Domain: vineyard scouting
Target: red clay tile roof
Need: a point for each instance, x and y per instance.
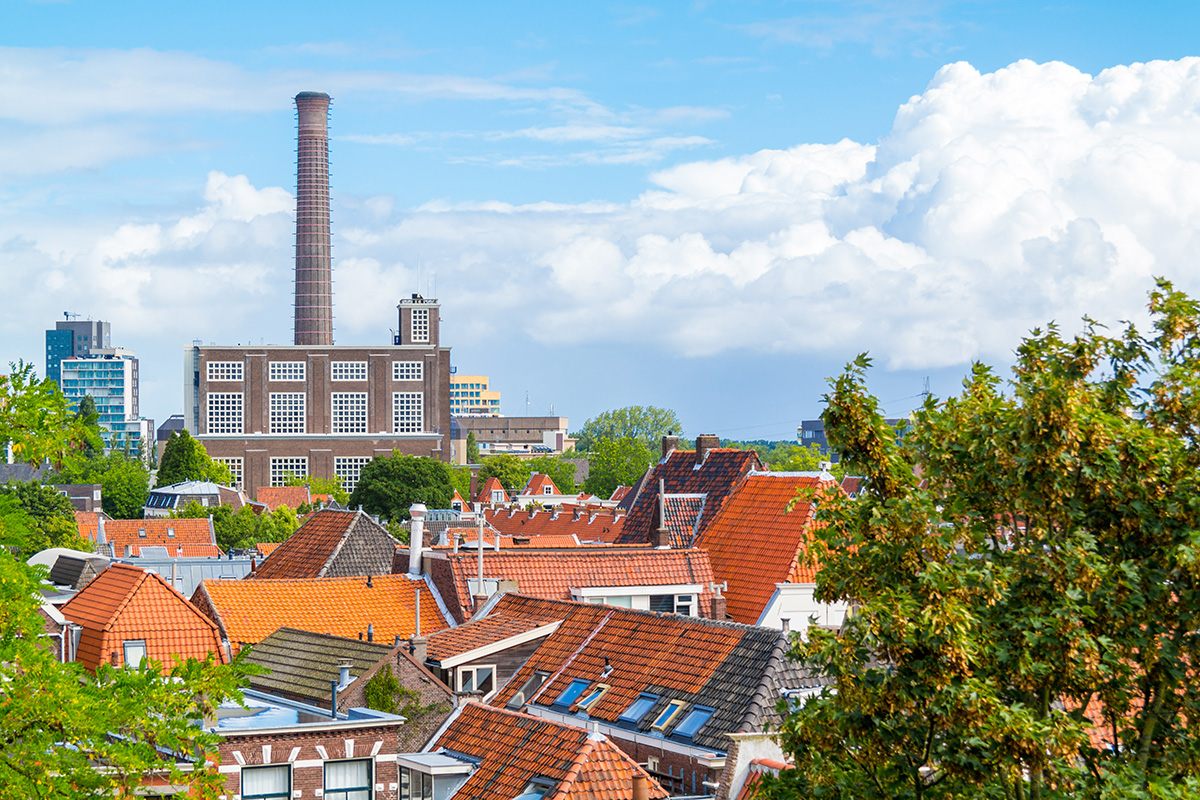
(484, 495)
(195, 534)
(683, 515)
(700, 662)
(720, 472)
(247, 611)
(311, 551)
(478, 633)
(514, 748)
(852, 484)
(266, 548)
(275, 496)
(88, 522)
(754, 543)
(619, 493)
(126, 603)
(537, 485)
(553, 573)
(590, 525)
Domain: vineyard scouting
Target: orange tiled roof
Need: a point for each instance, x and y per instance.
(88, 522)
(758, 768)
(266, 548)
(589, 525)
(619, 493)
(754, 543)
(248, 611)
(196, 535)
(495, 627)
(721, 471)
(484, 495)
(553, 573)
(127, 603)
(275, 496)
(513, 747)
(538, 483)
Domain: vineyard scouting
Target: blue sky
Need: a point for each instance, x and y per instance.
(705, 206)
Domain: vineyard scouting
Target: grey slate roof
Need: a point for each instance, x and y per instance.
(76, 572)
(302, 663)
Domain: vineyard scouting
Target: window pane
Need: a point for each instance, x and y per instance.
(693, 721)
(135, 651)
(405, 791)
(571, 693)
(484, 679)
(663, 603)
(263, 782)
(426, 787)
(638, 708)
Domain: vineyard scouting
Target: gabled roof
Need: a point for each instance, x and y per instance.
(588, 524)
(249, 611)
(302, 663)
(329, 544)
(755, 542)
(195, 534)
(738, 671)
(619, 493)
(552, 574)
(538, 483)
(683, 513)
(76, 571)
(484, 495)
(275, 496)
(513, 748)
(88, 522)
(127, 603)
(514, 615)
(720, 471)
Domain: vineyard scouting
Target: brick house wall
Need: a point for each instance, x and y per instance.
(434, 698)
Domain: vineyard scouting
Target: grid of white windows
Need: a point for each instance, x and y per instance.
(225, 370)
(420, 324)
(406, 412)
(348, 370)
(285, 371)
(224, 412)
(287, 412)
(286, 467)
(407, 371)
(349, 412)
(349, 469)
(235, 465)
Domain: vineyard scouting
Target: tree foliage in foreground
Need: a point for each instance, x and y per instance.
(64, 733)
(1037, 583)
(38, 421)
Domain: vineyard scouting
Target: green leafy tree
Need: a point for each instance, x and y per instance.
(799, 458)
(472, 448)
(87, 414)
(560, 470)
(51, 517)
(37, 419)
(243, 528)
(388, 486)
(124, 479)
(460, 477)
(616, 462)
(66, 733)
(1025, 570)
(512, 472)
(646, 424)
(185, 459)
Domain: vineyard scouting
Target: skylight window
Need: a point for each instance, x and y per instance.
(591, 698)
(669, 713)
(572, 692)
(694, 721)
(639, 707)
(537, 788)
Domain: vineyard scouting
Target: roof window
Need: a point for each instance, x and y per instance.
(592, 697)
(694, 721)
(171, 532)
(669, 713)
(141, 533)
(572, 692)
(639, 707)
(537, 788)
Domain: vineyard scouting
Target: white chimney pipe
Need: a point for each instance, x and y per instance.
(416, 537)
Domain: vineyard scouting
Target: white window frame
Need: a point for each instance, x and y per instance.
(348, 792)
(225, 412)
(133, 645)
(348, 412)
(413, 418)
(286, 370)
(284, 404)
(349, 469)
(226, 371)
(419, 325)
(474, 671)
(279, 768)
(348, 371)
(283, 466)
(408, 370)
(236, 466)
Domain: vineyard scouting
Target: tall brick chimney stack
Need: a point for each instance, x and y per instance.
(314, 280)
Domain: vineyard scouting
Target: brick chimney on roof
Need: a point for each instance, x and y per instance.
(704, 443)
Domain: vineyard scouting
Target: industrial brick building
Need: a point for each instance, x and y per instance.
(313, 407)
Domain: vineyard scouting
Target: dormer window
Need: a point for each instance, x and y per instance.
(546, 490)
(572, 692)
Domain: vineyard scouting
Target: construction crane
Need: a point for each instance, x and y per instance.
(70, 315)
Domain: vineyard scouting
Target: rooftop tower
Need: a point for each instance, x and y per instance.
(314, 279)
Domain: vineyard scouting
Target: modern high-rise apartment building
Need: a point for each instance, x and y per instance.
(469, 395)
(277, 411)
(110, 377)
(74, 338)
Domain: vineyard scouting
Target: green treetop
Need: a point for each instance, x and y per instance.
(185, 459)
(647, 424)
